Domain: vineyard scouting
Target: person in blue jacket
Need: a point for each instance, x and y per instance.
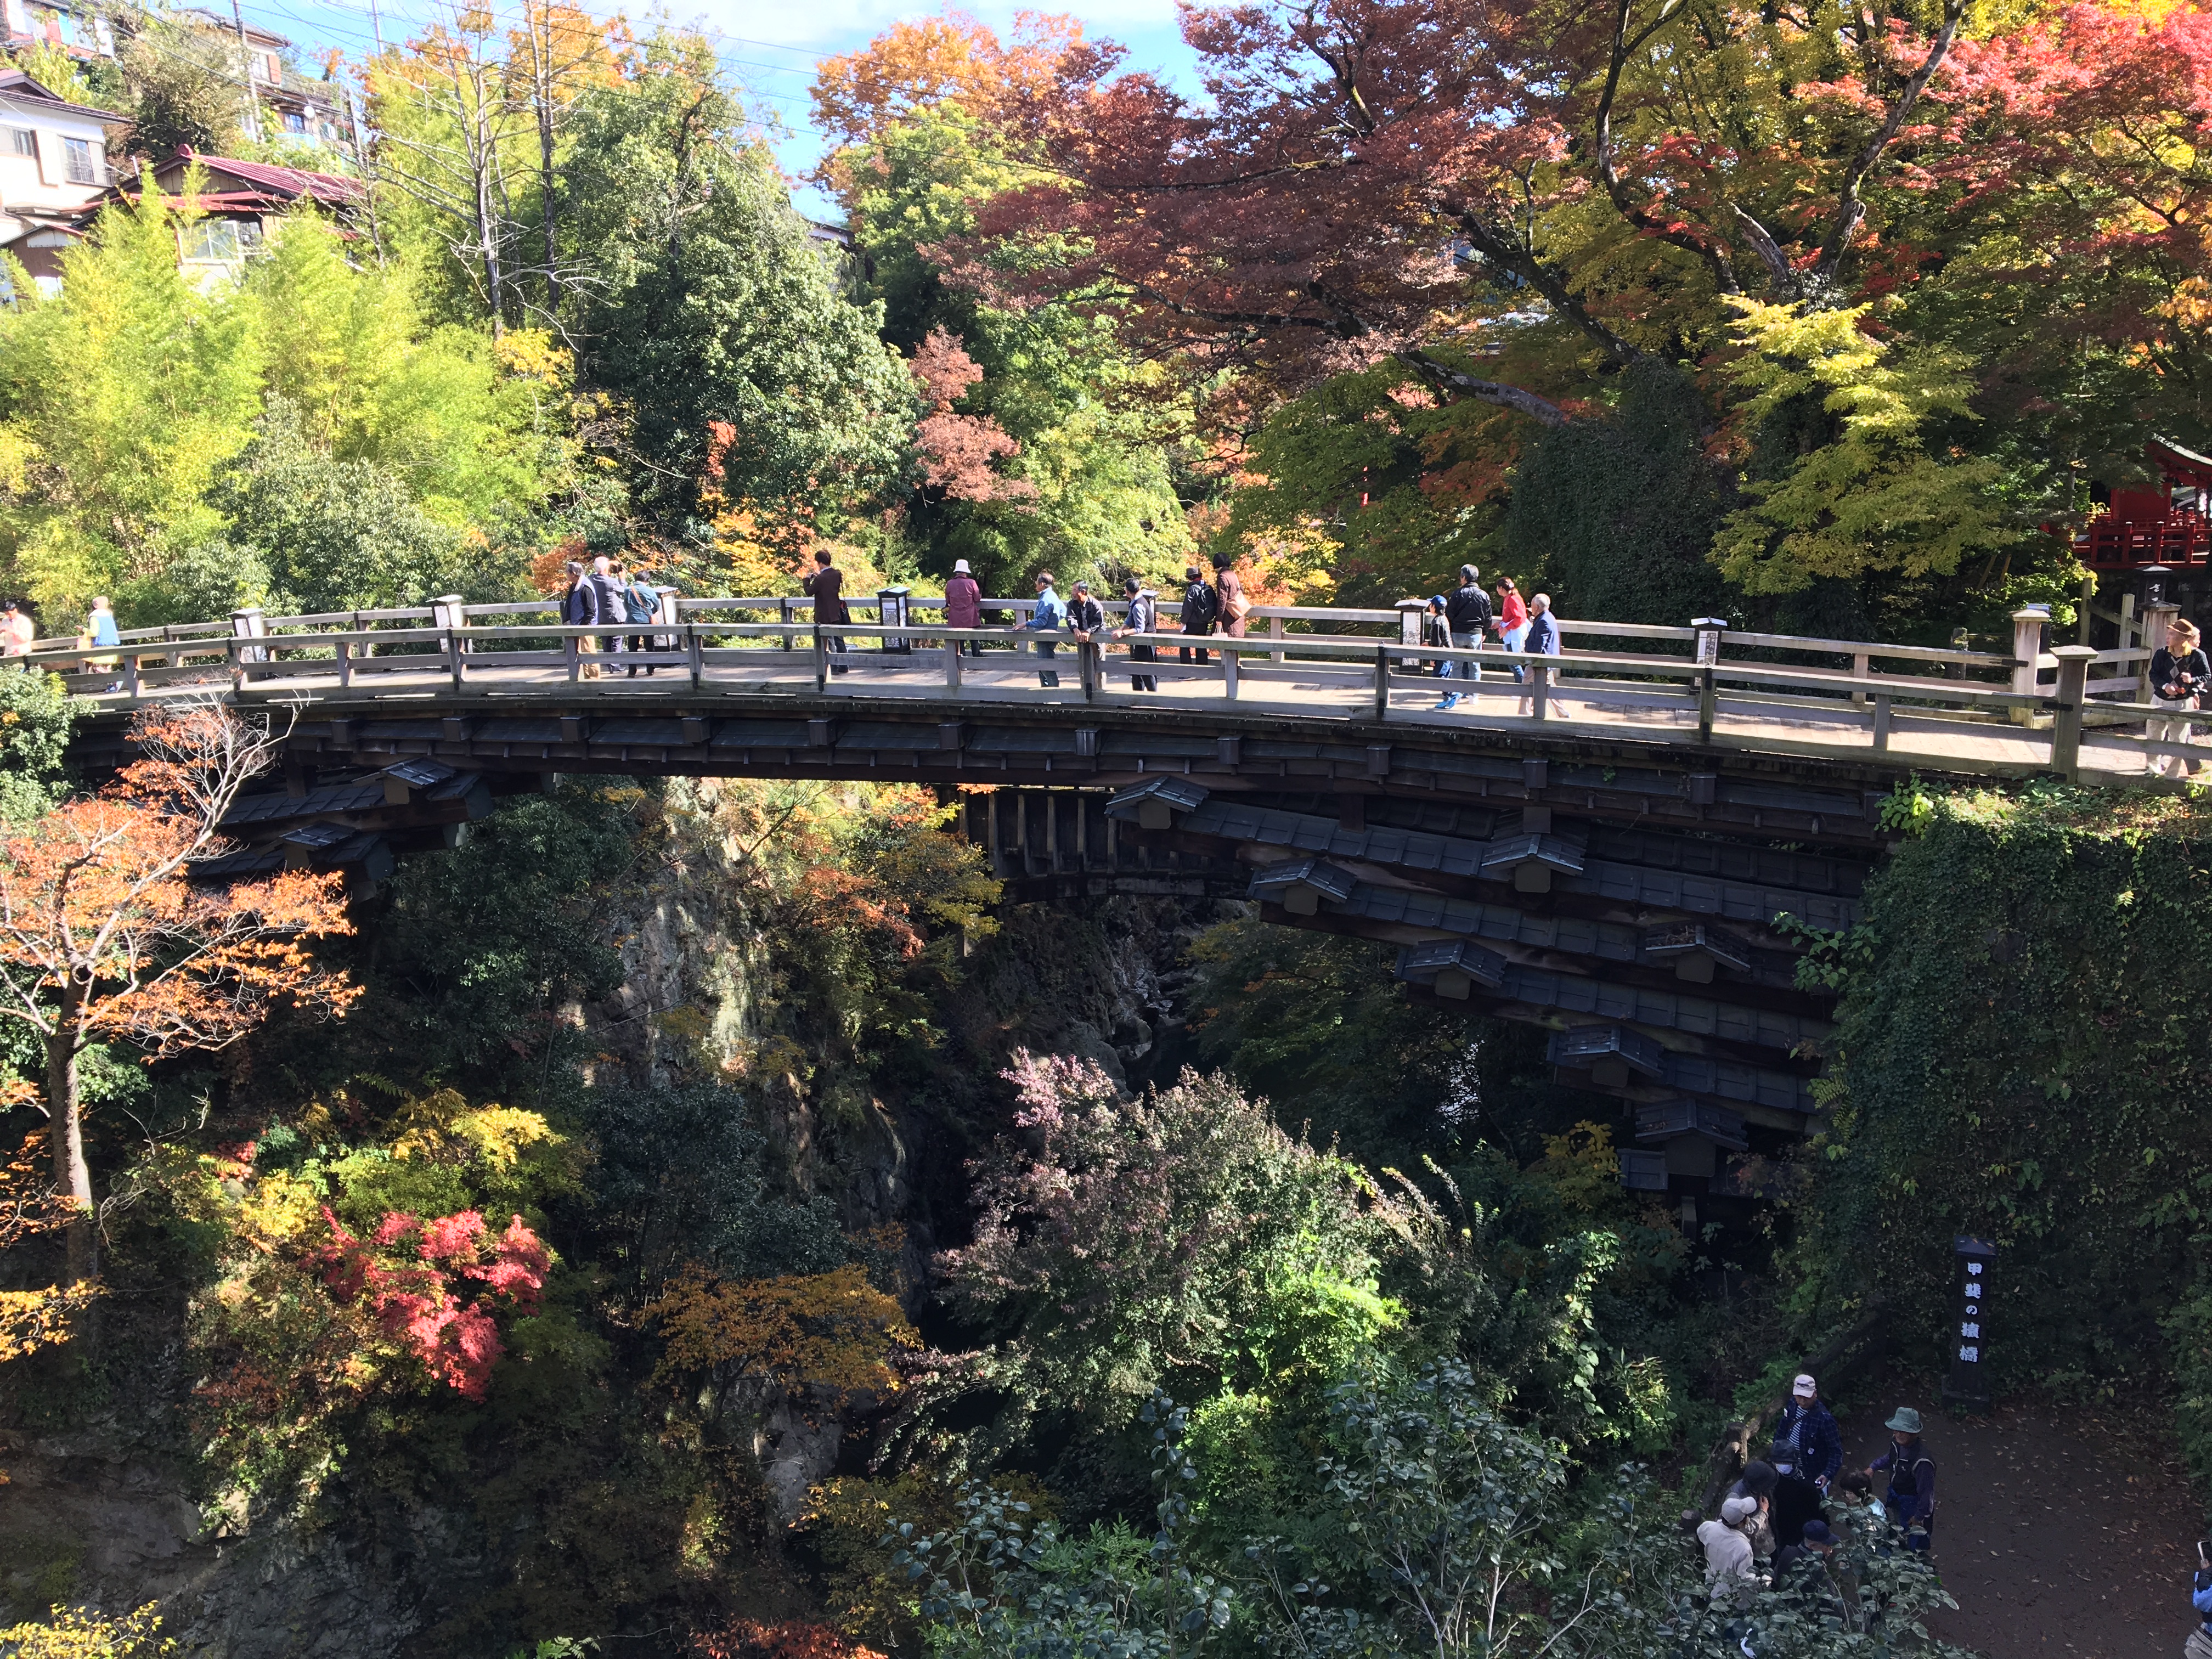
(1911, 1495)
(2199, 1644)
(1810, 1427)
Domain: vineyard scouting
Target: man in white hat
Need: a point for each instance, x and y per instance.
(1809, 1426)
(1730, 1574)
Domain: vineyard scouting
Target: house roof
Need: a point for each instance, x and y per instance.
(285, 184)
(217, 21)
(13, 83)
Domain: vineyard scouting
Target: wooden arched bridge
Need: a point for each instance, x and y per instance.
(1604, 846)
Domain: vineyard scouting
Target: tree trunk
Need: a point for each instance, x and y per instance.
(546, 182)
(72, 1175)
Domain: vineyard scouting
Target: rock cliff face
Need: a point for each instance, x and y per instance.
(104, 1516)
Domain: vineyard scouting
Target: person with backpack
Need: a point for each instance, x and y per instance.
(580, 608)
(1200, 604)
(1468, 614)
(1144, 618)
(640, 604)
(1911, 1495)
(1050, 616)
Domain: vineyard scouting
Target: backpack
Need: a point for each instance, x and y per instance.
(640, 603)
(1200, 605)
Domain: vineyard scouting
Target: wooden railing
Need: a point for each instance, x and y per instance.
(1904, 705)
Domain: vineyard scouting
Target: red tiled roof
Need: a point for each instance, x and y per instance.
(290, 183)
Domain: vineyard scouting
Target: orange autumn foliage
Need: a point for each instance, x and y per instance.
(831, 1333)
(950, 58)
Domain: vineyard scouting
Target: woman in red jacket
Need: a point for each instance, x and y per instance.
(963, 606)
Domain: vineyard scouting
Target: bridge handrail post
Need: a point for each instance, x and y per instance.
(821, 660)
(2066, 730)
(1275, 632)
(345, 665)
(2028, 625)
(1228, 673)
(1540, 693)
(953, 664)
(130, 687)
(1088, 667)
(1708, 703)
(1382, 682)
(693, 653)
(236, 653)
(783, 611)
(575, 644)
(1881, 713)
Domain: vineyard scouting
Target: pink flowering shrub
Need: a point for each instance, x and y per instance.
(431, 1302)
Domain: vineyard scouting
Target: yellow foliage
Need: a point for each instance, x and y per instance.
(276, 1207)
(31, 1320)
(1582, 1167)
(832, 1332)
(444, 1128)
(75, 1634)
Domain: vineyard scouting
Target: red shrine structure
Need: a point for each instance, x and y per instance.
(2170, 525)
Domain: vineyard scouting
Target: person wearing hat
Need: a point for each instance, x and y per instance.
(1199, 604)
(963, 606)
(1912, 1496)
(1809, 1572)
(1729, 1573)
(1758, 1483)
(1810, 1429)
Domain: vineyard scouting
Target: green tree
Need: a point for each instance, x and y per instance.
(120, 401)
(711, 303)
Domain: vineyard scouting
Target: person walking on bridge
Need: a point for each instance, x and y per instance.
(825, 584)
(1808, 1428)
(1199, 604)
(1144, 618)
(641, 606)
(1228, 597)
(1911, 1497)
(2179, 675)
(963, 606)
(1512, 623)
(580, 608)
(1543, 641)
(607, 590)
(1049, 618)
(1468, 614)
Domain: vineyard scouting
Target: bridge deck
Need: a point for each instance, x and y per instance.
(1928, 737)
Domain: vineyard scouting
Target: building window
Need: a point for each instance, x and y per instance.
(295, 121)
(23, 141)
(77, 163)
(222, 241)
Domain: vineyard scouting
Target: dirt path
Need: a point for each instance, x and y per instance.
(2060, 1535)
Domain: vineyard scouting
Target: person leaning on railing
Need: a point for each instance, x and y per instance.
(1144, 618)
(2179, 675)
(1543, 641)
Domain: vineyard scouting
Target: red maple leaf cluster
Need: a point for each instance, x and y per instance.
(423, 1302)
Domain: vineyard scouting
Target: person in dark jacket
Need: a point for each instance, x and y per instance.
(641, 605)
(1199, 604)
(826, 585)
(963, 606)
(1144, 618)
(580, 608)
(1795, 1500)
(1808, 1428)
(1468, 614)
(1912, 1496)
(2179, 675)
(607, 591)
(1086, 615)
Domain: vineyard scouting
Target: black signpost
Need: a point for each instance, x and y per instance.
(1965, 1387)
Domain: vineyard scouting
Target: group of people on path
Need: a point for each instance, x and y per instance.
(1464, 619)
(609, 592)
(1781, 1525)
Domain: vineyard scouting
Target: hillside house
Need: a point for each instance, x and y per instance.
(305, 111)
(240, 204)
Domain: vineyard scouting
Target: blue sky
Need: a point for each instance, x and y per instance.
(770, 45)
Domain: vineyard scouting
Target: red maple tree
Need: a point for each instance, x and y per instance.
(104, 936)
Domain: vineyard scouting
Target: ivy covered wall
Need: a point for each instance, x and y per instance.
(2024, 1054)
